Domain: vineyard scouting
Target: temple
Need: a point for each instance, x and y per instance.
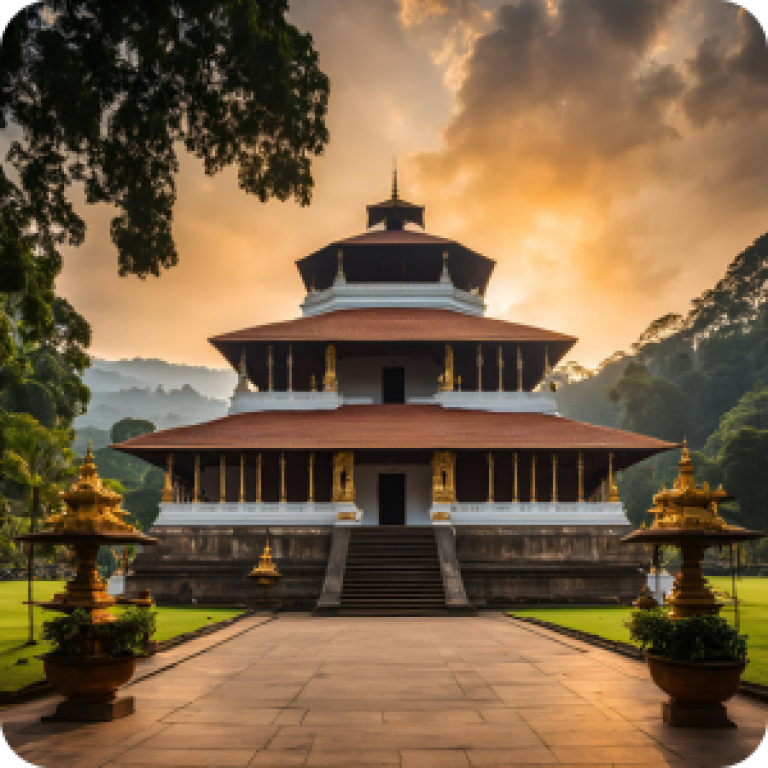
(403, 451)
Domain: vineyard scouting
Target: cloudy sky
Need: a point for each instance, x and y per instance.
(610, 155)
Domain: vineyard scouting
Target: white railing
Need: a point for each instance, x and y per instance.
(251, 402)
(539, 513)
(439, 295)
(499, 402)
(248, 513)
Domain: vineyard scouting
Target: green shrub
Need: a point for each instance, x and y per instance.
(699, 638)
(124, 637)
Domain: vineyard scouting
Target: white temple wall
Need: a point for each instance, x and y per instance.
(361, 376)
(418, 491)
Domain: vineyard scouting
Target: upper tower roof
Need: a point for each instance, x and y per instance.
(395, 213)
(396, 255)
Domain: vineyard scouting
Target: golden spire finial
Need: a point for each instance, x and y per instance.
(394, 178)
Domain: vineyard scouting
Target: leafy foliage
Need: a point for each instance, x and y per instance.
(127, 428)
(105, 92)
(699, 638)
(126, 636)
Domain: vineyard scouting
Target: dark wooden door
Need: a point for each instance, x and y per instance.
(392, 499)
(393, 385)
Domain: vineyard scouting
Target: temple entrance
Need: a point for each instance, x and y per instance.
(393, 385)
(392, 499)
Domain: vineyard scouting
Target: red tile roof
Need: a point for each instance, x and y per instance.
(394, 237)
(390, 427)
(394, 324)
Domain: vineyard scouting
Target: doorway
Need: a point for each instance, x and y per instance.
(392, 499)
(393, 385)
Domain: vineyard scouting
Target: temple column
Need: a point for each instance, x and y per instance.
(241, 497)
(290, 368)
(500, 364)
(197, 477)
(167, 495)
(222, 478)
(479, 368)
(546, 360)
(533, 477)
(613, 491)
(311, 477)
(258, 478)
(446, 383)
(515, 489)
(344, 487)
(443, 486)
(519, 369)
(271, 367)
(330, 382)
(581, 476)
(283, 495)
(489, 459)
(554, 477)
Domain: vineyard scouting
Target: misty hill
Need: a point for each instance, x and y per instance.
(116, 375)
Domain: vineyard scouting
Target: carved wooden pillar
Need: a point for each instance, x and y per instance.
(479, 368)
(500, 363)
(290, 368)
(489, 459)
(581, 476)
(283, 495)
(448, 374)
(519, 369)
(197, 477)
(515, 489)
(533, 477)
(222, 477)
(311, 477)
(241, 496)
(258, 478)
(167, 495)
(330, 382)
(554, 476)
(271, 367)
(613, 491)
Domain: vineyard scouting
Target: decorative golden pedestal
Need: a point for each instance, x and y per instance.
(92, 518)
(267, 575)
(686, 516)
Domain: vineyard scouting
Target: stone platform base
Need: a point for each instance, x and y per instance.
(681, 716)
(498, 565)
(71, 711)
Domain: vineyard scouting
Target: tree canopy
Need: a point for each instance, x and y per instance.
(127, 428)
(105, 92)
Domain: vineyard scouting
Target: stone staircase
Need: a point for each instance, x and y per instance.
(392, 570)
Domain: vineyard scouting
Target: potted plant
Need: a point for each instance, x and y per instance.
(697, 661)
(90, 661)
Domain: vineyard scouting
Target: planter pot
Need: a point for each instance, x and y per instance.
(696, 689)
(89, 685)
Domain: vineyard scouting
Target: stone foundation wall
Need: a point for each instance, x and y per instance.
(210, 564)
(506, 565)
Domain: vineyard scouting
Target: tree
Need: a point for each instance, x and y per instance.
(35, 461)
(743, 461)
(127, 428)
(105, 92)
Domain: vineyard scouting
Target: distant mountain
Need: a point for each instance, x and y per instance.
(114, 375)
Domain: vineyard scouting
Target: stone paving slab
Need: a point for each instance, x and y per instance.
(406, 692)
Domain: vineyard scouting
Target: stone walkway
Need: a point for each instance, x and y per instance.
(393, 692)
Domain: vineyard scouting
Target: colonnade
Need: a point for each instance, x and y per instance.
(343, 488)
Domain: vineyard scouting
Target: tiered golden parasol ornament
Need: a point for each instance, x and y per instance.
(265, 573)
(92, 517)
(686, 516)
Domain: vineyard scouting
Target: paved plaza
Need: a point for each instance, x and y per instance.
(407, 692)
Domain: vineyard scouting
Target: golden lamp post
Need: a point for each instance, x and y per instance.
(266, 574)
(686, 516)
(92, 518)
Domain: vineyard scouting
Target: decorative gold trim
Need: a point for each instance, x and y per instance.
(167, 495)
(283, 495)
(554, 477)
(258, 478)
(241, 497)
(343, 476)
(444, 477)
(489, 459)
(533, 477)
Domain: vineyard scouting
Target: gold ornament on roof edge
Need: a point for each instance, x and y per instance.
(686, 505)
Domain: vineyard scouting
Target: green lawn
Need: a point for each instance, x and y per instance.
(13, 629)
(608, 622)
